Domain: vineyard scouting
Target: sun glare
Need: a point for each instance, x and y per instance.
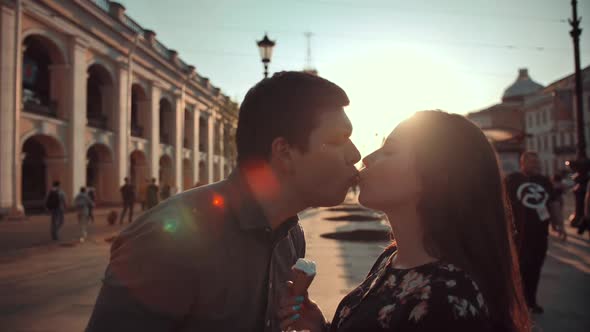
(399, 82)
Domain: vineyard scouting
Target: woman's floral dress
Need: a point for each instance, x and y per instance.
(430, 297)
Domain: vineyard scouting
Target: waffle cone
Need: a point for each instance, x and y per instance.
(301, 282)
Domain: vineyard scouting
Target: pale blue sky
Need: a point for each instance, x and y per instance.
(392, 57)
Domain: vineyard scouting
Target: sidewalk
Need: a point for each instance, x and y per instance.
(34, 232)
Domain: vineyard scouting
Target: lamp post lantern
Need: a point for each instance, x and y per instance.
(265, 46)
(581, 165)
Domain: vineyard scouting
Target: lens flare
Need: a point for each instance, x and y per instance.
(170, 225)
(218, 201)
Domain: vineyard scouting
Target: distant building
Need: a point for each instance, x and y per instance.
(93, 97)
(536, 118)
(550, 122)
(503, 123)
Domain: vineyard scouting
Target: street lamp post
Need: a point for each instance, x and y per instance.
(581, 165)
(265, 46)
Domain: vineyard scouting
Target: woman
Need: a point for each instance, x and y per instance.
(452, 266)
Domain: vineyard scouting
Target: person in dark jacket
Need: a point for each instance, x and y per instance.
(152, 194)
(128, 196)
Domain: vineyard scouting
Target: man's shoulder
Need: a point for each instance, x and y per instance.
(191, 208)
(514, 176)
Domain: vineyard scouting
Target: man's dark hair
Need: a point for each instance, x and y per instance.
(56, 183)
(285, 105)
(82, 189)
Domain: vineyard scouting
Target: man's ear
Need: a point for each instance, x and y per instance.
(281, 154)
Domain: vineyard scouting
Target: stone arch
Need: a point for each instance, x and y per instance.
(138, 171)
(44, 69)
(43, 161)
(55, 39)
(100, 171)
(100, 99)
(140, 116)
(203, 173)
(107, 66)
(166, 171)
(187, 174)
(203, 134)
(167, 121)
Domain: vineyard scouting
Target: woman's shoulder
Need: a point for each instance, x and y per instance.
(455, 289)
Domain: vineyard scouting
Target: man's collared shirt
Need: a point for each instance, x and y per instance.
(207, 260)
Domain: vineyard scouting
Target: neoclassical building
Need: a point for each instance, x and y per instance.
(536, 118)
(89, 97)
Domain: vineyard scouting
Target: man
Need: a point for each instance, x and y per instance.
(152, 194)
(83, 204)
(128, 196)
(217, 258)
(534, 205)
(55, 202)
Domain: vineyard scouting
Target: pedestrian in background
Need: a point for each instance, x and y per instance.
(152, 194)
(534, 205)
(92, 197)
(165, 192)
(83, 204)
(142, 194)
(128, 196)
(55, 202)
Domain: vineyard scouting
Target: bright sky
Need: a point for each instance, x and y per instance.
(392, 57)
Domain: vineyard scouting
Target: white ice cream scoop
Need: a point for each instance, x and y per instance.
(303, 273)
(306, 266)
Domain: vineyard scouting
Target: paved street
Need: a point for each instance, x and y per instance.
(52, 287)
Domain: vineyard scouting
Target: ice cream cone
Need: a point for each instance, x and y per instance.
(302, 275)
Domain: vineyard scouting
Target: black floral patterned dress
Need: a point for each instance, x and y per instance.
(430, 297)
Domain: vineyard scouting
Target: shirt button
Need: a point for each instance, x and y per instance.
(268, 323)
(268, 229)
(270, 285)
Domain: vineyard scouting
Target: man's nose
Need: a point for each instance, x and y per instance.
(353, 155)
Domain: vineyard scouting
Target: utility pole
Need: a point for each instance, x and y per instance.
(581, 165)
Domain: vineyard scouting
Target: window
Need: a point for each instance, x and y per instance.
(546, 142)
(545, 116)
(529, 120)
(554, 140)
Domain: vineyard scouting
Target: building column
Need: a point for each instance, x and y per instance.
(221, 138)
(9, 114)
(195, 146)
(122, 128)
(178, 109)
(154, 132)
(77, 119)
(210, 150)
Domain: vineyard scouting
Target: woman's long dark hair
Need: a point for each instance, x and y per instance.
(464, 210)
